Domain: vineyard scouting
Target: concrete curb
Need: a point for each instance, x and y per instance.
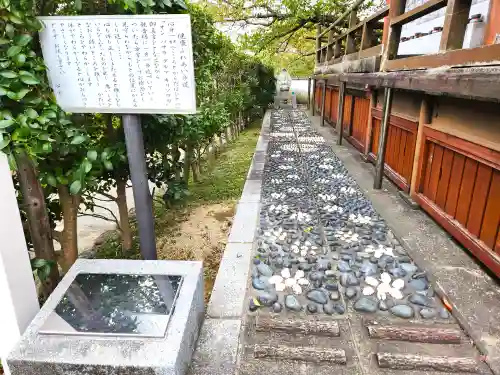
(217, 347)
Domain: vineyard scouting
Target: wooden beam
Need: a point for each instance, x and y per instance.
(369, 135)
(350, 46)
(372, 51)
(337, 49)
(424, 118)
(309, 354)
(431, 334)
(477, 84)
(318, 43)
(323, 98)
(329, 50)
(420, 11)
(480, 56)
(328, 328)
(405, 361)
(396, 9)
(309, 93)
(384, 131)
(340, 111)
(313, 102)
(455, 23)
(367, 37)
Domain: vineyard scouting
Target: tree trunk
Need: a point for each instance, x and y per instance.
(121, 202)
(227, 135)
(38, 218)
(176, 155)
(69, 235)
(194, 167)
(188, 156)
(221, 141)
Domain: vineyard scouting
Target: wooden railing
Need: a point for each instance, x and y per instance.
(362, 39)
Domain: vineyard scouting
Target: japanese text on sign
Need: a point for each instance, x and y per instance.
(120, 64)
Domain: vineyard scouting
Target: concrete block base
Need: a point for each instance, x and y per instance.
(157, 339)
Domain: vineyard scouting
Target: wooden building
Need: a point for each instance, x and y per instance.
(422, 105)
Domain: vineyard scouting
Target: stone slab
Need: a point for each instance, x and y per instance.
(244, 223)
(217, 348)
(38, 354)
(228, 293)
(251, 191)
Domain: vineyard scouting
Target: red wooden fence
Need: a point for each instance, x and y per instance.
(459, 185)
(400, 147)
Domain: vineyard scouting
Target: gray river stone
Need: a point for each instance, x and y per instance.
(317, 296)
(258, 284)
(312, 308)
(402, 311)
(277, 307)
(366, 304)
(408, 267)
(292, 303)
(335, 295)
(421, 300)
(428, 313)
(351, 292)
(382, 305)
(343, 266)
(419, 284)
(348, 279)
(331, 285)
(339, 308)
(264, 269)
(267, 299)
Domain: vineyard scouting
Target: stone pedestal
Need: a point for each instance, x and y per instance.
(116, 317)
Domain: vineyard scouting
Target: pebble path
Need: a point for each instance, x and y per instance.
(322, 247)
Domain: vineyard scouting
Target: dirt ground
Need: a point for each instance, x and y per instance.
(202, 236)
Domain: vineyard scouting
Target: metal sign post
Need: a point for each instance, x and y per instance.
(140, 186)
(126, 65)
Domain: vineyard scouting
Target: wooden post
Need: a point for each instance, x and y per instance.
(340, 111)
(397, 8)
(455, 23)
(17, 286)
(424, 118)
(366, 37)
(318, 43)
(384, 131)
(369, 135)
(329, 49)
(350, 46)
(337, 50)
(315, 83)
(308, 93)
(323, 98)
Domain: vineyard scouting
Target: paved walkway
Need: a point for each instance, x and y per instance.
(331, 289)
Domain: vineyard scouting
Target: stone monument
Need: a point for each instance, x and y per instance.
(116, 317)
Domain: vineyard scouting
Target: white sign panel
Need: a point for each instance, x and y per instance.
(120, 64)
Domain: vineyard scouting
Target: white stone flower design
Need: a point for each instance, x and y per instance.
(385, 287)
(327, 197)
(279, 208)
(285, 167)
(303, 217)
(326, 167)
(360, 219)
(378, 252)
(285, 280)
(333, 208)
(293, 177)
(348, 190)
(278, 195)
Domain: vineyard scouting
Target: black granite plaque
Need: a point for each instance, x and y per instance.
(115, 304)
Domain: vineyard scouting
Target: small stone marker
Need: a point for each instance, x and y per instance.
(140, 317)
